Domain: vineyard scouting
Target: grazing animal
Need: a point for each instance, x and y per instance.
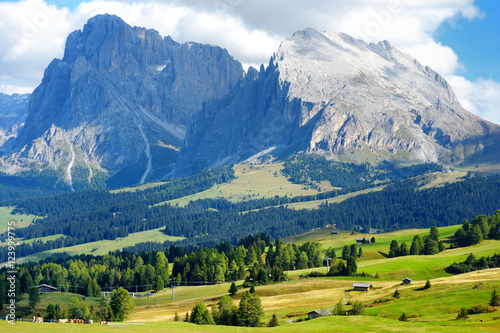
(91, 322)
(104, 322)
(37, 319)
(63, 321)
(72, 321)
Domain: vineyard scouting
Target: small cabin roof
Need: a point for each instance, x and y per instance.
(362, 285)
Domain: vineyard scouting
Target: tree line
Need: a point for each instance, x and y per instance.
(396, 207)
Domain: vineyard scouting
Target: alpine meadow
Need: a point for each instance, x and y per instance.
(150, 185)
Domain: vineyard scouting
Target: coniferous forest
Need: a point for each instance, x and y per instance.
(89, 216)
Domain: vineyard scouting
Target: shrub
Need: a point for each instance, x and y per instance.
(463, 314)
(273, 322)
(396, 294)
(403, 317)
(477, 309)
(427, 285)
(357, 308)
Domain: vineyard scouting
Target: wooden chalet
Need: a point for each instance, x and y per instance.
(318, 313)
(362, 240)
(362, 286)
(406, 280)
(45, 288)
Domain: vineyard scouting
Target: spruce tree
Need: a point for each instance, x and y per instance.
(34, 297)
(396, 294)
(233, 289)
(403, 317)
(427, 285)
(495, 300)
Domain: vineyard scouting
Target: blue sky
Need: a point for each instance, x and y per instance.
(476, 41)
(457, 38)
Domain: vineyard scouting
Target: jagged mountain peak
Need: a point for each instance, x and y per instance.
(118, 103)
(329, 93)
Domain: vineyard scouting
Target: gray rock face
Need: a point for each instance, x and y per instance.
(119, 102)
(330, 94)
(13, 113)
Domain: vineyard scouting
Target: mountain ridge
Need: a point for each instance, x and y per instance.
(128, 105)
(118, 103)
(328, 93)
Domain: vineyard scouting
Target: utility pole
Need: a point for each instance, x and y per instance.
(172, 286)
(327, 258)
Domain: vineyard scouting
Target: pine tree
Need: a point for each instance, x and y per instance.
(434, 234)
(121, 303)
(346, 252)
(34, 297)
(232, 289)
(158, 284)
(50, 313)
(495, 300)
(273, 322)
(200, 315)
(252, 290)
(427, 285)
(250, 310)
(176, 316)
(394, 249)
(226, 312)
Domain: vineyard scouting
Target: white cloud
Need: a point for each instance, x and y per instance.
(440, 58)
(481, 97)
(250, 30)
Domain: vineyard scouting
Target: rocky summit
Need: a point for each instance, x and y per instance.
(127, 105)
(13, 113)
(118, 103)
(328, 93)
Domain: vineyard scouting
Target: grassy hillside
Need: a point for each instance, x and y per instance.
(104, 246)
(21, 220)
(267, 181)
(432, 310)
(254, 182)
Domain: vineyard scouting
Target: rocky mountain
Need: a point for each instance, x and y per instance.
(117, 105)
(13, 112)
(331, 94)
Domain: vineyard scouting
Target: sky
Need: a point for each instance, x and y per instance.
(460, 39)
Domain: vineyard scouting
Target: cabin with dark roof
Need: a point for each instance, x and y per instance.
(363, 240)
(406, 280)
(318, 313)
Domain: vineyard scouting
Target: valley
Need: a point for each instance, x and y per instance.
(156, 185)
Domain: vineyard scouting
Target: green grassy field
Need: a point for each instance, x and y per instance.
(21, 220)
(374, 255)
(253, 182)
(104, 246)
(139, 188)
(431, 310)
